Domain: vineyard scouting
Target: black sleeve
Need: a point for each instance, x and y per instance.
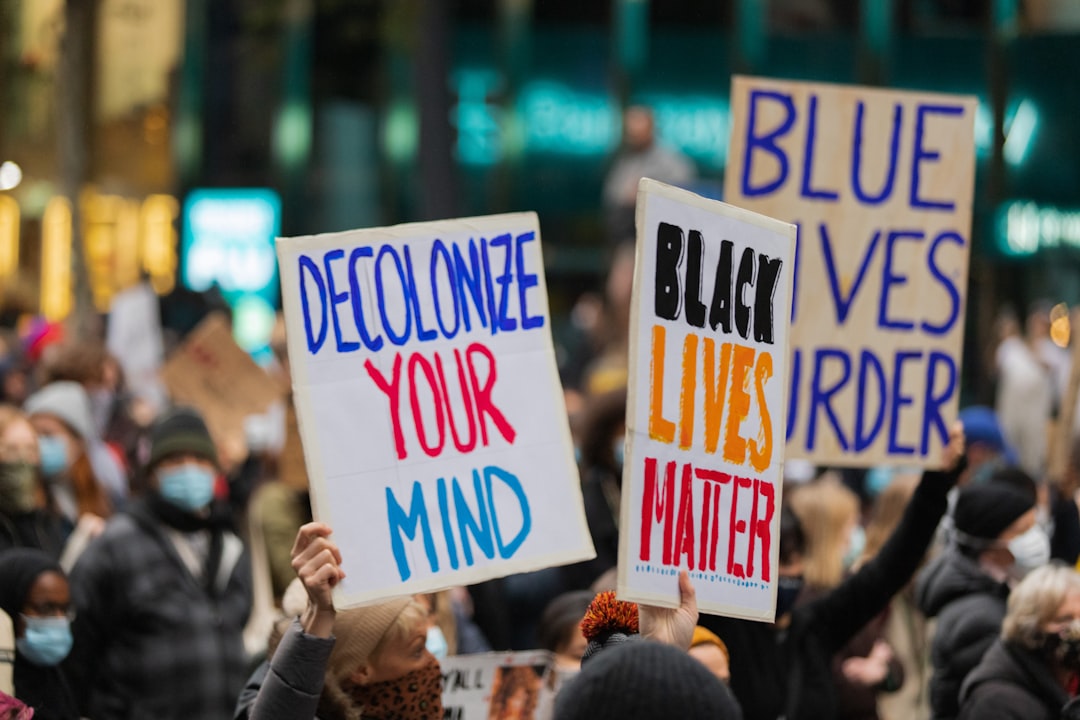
(840, 614)
(1065, 543)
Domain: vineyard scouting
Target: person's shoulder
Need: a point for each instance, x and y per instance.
(1002, 700)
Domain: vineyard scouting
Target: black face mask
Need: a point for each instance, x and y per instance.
(1063, 648)
(788, 588)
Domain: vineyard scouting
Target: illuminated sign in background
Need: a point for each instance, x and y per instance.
(228, 242)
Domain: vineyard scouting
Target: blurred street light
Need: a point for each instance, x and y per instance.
(10, 175)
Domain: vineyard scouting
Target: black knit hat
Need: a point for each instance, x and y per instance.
(984, 511)
(180, 431)
(19, 568)
(645, 680)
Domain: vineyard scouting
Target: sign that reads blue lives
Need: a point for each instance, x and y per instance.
(879, 183)
(228, 241)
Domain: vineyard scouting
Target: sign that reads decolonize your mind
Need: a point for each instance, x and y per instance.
(705, 415)
(430, 407)
(880, 184)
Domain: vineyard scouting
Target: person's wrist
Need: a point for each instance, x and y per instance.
(319, 621)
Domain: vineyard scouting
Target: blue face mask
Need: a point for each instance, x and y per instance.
(189, 487)
(856, 546)
(436, 642)
(47, 640)
(54, 458)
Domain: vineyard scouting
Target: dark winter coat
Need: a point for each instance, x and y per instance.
(969, 606)
(1013, 683)
(788, 673)
(152, 641)
(39, 529)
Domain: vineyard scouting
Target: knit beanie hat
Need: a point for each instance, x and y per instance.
(358, 632)
(608, 622)
(984, 511)
(19, 568)
(180, 431)
(645, 680)
(67, 401)
(705, 636)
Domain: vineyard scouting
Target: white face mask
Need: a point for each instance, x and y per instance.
(1030, 550)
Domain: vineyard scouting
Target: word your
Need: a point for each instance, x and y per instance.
(485, 278)
(717, 503)
(764, 149)
(725, 376)
(458, 520)
(426, 377)
(728, 305)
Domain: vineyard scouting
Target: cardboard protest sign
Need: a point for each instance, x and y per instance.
(498, 686)
(880, 184)
(705, 413)
(431, 413)
(213, 374)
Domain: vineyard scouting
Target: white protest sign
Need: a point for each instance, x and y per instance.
(431, 413)
(705, 415)
(880, 183)
(498, 686)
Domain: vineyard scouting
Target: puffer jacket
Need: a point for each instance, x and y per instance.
(1013, 683)
(969, 606)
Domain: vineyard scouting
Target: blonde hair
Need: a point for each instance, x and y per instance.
(888, 509)
(1035, 602)
(335, 703)
(825, 509)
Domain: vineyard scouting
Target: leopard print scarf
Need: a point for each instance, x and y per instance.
(415, 696)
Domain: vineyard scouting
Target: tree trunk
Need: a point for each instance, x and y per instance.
(74, 119)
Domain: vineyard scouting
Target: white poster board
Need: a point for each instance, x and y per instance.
(705, 415)
(498, 686)
(880, 183)
(430, 408)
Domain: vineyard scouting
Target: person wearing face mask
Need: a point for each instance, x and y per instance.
(25, 518)
(995, 542)
(60, 414)
(370, 662)
(35, 594)
(164, 593)
(1032, 672)
(784, 669)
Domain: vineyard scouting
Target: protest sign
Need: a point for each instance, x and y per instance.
(705, 413)
(431, 413)
(213, 374)
(880, 184)
(498, 686)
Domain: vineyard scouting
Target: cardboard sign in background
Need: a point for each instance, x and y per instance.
(498, 686)
(880, 183)
(430, 408)
(703, 475)
(213, 374)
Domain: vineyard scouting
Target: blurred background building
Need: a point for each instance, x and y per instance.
(191, 132)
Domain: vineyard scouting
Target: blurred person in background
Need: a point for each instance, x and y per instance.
(784, 669)
(1032, 672)
(866, 666)
(35, 594)
(711, 652)
(164, 593)
(1025, 395)
(26, 517)
(906, 629)
(560, 628)
(60, 413)
(996, 541)
(988, 451)
(639, 156)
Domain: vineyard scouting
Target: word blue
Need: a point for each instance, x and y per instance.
(459, 521)
(761, 141)
(487, 278)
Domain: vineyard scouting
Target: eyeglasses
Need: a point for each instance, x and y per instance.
(49, 610)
